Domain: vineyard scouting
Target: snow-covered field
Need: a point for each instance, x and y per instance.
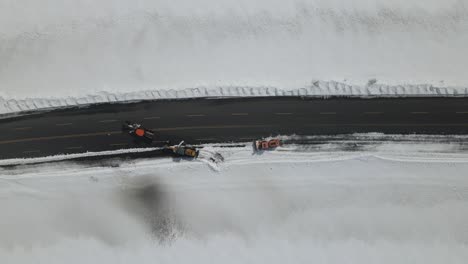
(56, 53)
(286, 206)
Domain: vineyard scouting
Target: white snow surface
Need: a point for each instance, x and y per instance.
(57, 53)
(298, 207)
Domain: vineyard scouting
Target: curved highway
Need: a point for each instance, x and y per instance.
(196, 121)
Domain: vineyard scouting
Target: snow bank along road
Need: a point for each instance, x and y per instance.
(98, 128)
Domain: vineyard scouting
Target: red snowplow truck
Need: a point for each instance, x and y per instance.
(266, 144)
(139, 132)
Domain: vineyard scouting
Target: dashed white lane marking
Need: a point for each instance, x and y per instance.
(240, 114)
(118, 144)
(197, 115)
(206, 139)
(23, 128)
(420, 113)
(283, 113)
(64, 124)
(108, 121)
(462, 112)
(328, 113)
(31, 151)
(151, 117)
(373, 113)
(79, 147)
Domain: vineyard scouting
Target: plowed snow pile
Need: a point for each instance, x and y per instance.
(56, 53)
(276, 207)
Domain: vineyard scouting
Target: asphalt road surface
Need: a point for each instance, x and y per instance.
(199, 121)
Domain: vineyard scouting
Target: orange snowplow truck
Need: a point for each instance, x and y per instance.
(139, 132)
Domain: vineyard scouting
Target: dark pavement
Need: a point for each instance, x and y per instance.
(196, 121)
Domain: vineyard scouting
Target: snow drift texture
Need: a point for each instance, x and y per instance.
(70, 52)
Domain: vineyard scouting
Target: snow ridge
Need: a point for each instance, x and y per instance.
(316, 89)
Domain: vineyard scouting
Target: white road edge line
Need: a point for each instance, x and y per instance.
(209, 139)
(108, 121)
(151, 117)
(199, 115)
